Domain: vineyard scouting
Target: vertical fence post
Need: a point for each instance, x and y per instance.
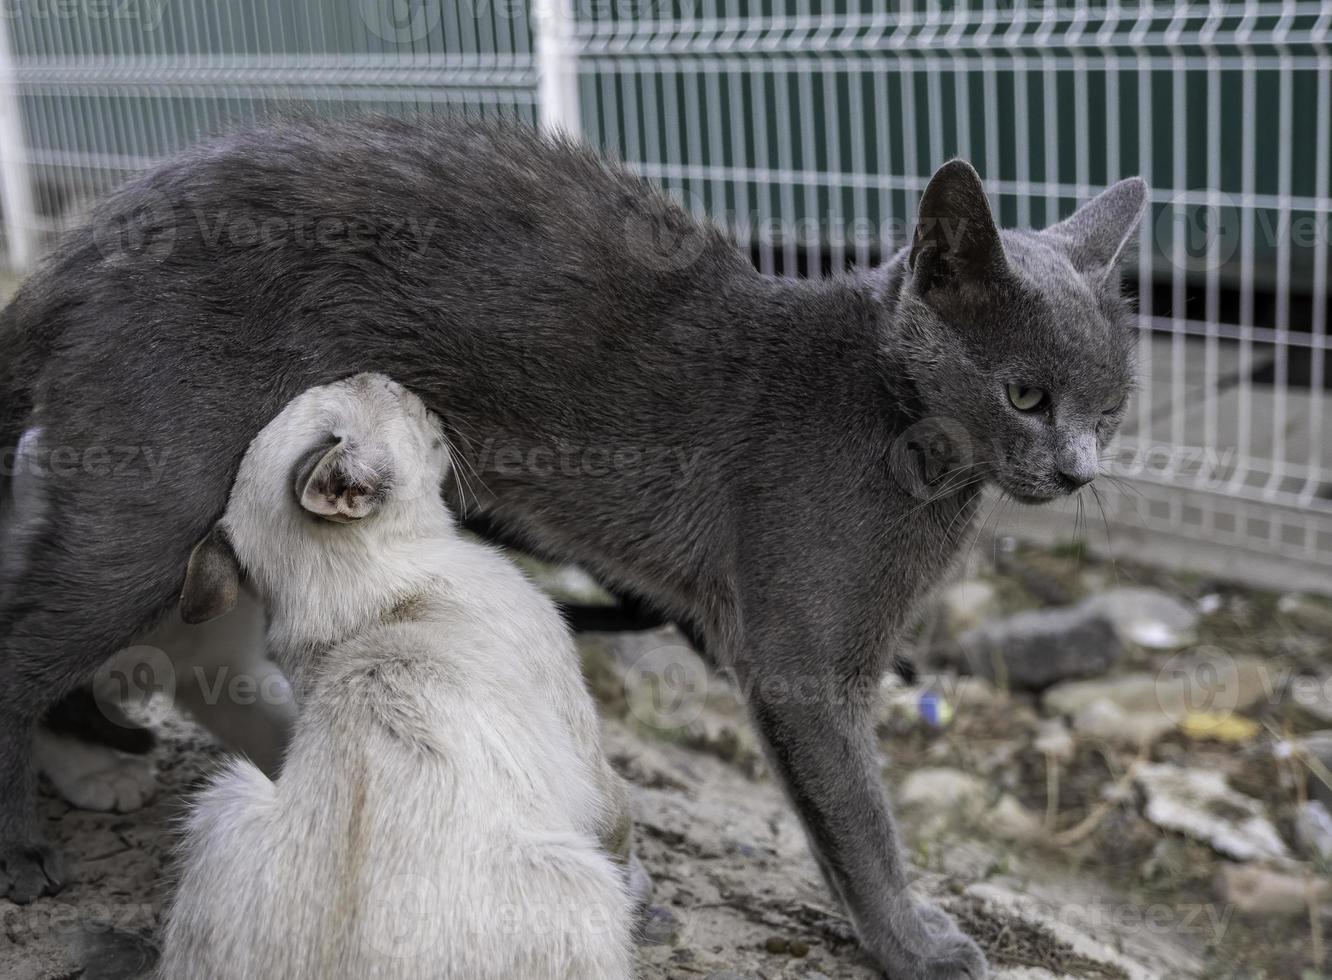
(15, 191)
(557, 67)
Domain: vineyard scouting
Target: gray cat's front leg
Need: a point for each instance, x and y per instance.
(820, 741)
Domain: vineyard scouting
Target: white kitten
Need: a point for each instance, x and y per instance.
(441, 802)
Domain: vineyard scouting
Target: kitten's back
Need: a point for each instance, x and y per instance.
(426, 826)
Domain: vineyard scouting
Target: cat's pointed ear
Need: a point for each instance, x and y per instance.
(212, 579)
(1097, 234)
(341, 482)
(956, 239)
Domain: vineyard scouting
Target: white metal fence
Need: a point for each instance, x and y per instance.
(811, 133)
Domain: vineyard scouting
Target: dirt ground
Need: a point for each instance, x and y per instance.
(1058, 870)
(737, 896)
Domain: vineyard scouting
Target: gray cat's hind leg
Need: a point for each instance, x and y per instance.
(68, 598)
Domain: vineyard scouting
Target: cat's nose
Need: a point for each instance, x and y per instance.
(1077, 463)
(1076, 479)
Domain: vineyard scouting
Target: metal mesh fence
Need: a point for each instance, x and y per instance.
(811, 132)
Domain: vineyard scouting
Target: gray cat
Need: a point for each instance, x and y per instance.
(785, 466)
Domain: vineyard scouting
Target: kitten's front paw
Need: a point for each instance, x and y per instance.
(125, 785)
(94, 777)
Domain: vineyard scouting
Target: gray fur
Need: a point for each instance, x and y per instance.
(774, 462)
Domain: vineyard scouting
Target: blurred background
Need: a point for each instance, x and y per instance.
(1120, 767)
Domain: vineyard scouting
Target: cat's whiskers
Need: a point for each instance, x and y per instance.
(957, 484)
(1123, 485)
(1079, 524)
(1109, 549)
(462, 469)
(981, 529)
(965, 510)
(1009, 504)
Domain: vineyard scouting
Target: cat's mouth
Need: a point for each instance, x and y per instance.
(1026, 493)
(1031, 498)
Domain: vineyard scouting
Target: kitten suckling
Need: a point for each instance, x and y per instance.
(444, 802)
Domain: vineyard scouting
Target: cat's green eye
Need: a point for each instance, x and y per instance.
(1026, 399)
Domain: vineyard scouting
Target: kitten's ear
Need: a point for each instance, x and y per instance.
(212, 579)
(340, 482)
(1098, 233)
(956, 239)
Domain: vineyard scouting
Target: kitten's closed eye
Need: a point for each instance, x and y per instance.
(1117, 407)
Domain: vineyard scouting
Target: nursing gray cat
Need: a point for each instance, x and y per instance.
(787, 467)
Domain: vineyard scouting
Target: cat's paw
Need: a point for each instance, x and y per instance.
(94, 777)
(955, 956)
(28, 870)
(927, 944)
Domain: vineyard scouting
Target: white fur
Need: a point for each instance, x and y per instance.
(225, 680)
(220, 676)
(439, 810)
(94, 777)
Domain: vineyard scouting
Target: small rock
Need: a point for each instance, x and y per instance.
(1319, 746)
(1211, 604)
(1186, 683)
(1010, 820)
(1313, 829)
(1033, 650)
(1147, 617)
(1199, 804)
(1310, 697)
(1103, 719)
(777, 944)
(739, 847)
(973, 692)
(1054, 740)
(1128, 692)
(967, 604)
(939, 788)
(112, 954)
(1252, 888)
(798, 948)
(1307, 613)
(659, 927)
